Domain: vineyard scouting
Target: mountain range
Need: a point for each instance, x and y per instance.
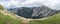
(34, 12)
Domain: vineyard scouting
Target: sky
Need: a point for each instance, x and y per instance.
(53, 4)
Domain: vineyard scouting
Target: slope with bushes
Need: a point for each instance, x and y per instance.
(55, 19)
(1, 7)
(8, 18)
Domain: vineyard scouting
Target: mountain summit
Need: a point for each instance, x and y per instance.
(34, 12)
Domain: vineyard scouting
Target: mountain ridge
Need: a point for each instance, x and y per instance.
(45, 11)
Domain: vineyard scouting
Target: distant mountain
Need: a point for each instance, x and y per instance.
(34, 12)
(44, 11)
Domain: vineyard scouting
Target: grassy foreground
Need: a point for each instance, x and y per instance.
(6, 19)
(52, 20)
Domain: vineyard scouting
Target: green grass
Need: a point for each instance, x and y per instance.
(6, 19)
(51, 20)
(1, 7)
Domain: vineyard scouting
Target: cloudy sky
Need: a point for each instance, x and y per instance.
(53, 4)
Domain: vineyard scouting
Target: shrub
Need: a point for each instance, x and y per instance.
(1, 7)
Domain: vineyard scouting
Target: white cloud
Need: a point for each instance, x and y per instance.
(38, 1)
(50, 3)
(32, 2)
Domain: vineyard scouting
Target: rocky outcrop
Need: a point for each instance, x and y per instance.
(44, 11)
(25, 12)
(35, 12)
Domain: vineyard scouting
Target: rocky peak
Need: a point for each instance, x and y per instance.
(43, 11)
(35, 12)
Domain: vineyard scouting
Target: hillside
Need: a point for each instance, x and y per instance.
(34, 12)
(55, 19)
(7, 17)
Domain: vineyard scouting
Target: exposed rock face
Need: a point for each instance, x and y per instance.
(35, 12)
(44, 11)
(25, 12)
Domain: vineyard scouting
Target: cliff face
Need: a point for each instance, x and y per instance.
(25, 12)
(34, 12)
(44, 11)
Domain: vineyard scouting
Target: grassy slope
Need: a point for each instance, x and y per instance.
(52, 20)
(6, 19)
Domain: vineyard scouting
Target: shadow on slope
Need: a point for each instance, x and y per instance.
(55, 19)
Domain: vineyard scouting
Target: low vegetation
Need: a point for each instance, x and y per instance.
(1, 7)
(7, 19)
(55, 19)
